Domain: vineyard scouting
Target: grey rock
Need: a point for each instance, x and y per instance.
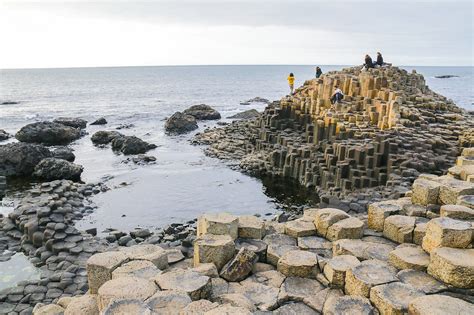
(131, 145)
(180, 123)
(64, 153)
(100, 121)
(248, 114)
(202, 112)
(49, 133)
(105, 137)
(20, 159)
(52, 168)
(71, 122)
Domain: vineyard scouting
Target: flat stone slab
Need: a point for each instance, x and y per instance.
(379, 211)
(295, 308)
(85, 304)
(451, 189)
(335, 269)
(154, 253)
(453, 266)
(100, 267)
(228, 309)
(457, 212)
(275, 252)
(239, 267)
(299, 228)
(198, 307)
(263, 296)
(447, 232)
(362, 250)
(237, 300)
(350, 228)
(393, 298)
(137, 268)
(125, 306)
(425, 192)
(218, 224)
(259, 247)
(298, 289)
(313, 243)
(421, 281)
(217, 249)
(250, 226)
(348, 305)
(168, 302)
(409, 257)
(298, 263)
(369, 273)
(399, 228)
(437, 304)
(279, 239)
(194, 284)
(326, 217)
(125, 288)
(271, 278)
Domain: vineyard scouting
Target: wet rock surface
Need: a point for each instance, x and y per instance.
(20, 159)
(4, 135)
(53, 168)
(49, 133)
(202, 112)
(180, 123)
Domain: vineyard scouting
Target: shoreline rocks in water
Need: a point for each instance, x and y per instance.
(256, 100)
(53, 168)
(4, 135)
(446, 76)
(105, 137)
(248, 114)
(180, 123)
(100, 121)
(19, 159)
(71, 122)
(48, 133)
(202, 112)
(9, 103)
(126, 144)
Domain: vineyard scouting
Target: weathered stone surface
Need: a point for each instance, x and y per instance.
(84, 305)
(198, 307)
(299, 228)
(369, 273)
(271, 278)
(447, 232)
(425, 192)
(100, 267)
(419, 232)
(399, 228)
(237, 300)
(361, 249)
(51, 309)
(453, 266)
(467, 201)
(317, 301)
(126, 306)
(251, 227)
(350, 228)
(49, 133)
(217, 249)
(248, 114)
(125, 288)
(313, 243)
(191, 282)
(20, 159)
(202, 112)
(348, 305)
(298, 289)
(409, 257)
(326, 217)
(239, 267)
(457, 212)
(279, 240)
(295, 308)
(259, 247)
(298, 263)
(71, 122)
(228, 309)
(131, 145)
(168, 302)
(263, 296)
(53, 168)
(393, 298)
(379, 211)
(452, 188)
(273, 227)
(207, 269)
(439, 305)
(218, 224)
(278, 245)
(180, 123)
(136, 268)
(99, 121)
(154, 253)
(335, 269)
(174, 255)
(105, 137)
(421, 281)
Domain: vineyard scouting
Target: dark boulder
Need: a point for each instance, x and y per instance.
(100, 121)
(248, 114)
(9, 103)
(202, 112)
(105, 137)
(46, 132)
(52, 168)
(131, 145)
(4, 135)
(20, 159)
(71, 122)
(64, 153)
(180, 123)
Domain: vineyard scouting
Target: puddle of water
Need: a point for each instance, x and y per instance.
(17, 269)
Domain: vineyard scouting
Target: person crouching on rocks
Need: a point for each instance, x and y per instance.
(291, 82)
(379, 61)
(318, 72)
(337, 96)
(368, 62)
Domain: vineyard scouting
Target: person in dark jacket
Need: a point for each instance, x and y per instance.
(318, 72)
(379, 59)
(368, 62)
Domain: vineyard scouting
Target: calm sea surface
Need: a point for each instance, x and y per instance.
(183, 183)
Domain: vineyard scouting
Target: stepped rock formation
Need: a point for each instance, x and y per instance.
(389, 128)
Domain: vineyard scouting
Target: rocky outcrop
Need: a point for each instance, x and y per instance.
(53, 168)
(49, 133)
(71, 122)
(100, 121)
(131, 145)
(4, 135)
(105, 137)
(248, 114)
(202, 112)
(20, 159)
(64, 153)
(180, 123)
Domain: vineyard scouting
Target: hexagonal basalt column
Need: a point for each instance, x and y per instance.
(218, 224)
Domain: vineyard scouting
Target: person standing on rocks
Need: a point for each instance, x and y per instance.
(318, 72)
(368, 62)
(337, 96)
(379, 61)
(291, 82)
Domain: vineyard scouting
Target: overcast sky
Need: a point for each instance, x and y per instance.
(176, 32)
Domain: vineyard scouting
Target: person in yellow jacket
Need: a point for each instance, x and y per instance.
(291, 82)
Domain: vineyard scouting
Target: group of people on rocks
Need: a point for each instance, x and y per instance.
(338, 95)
